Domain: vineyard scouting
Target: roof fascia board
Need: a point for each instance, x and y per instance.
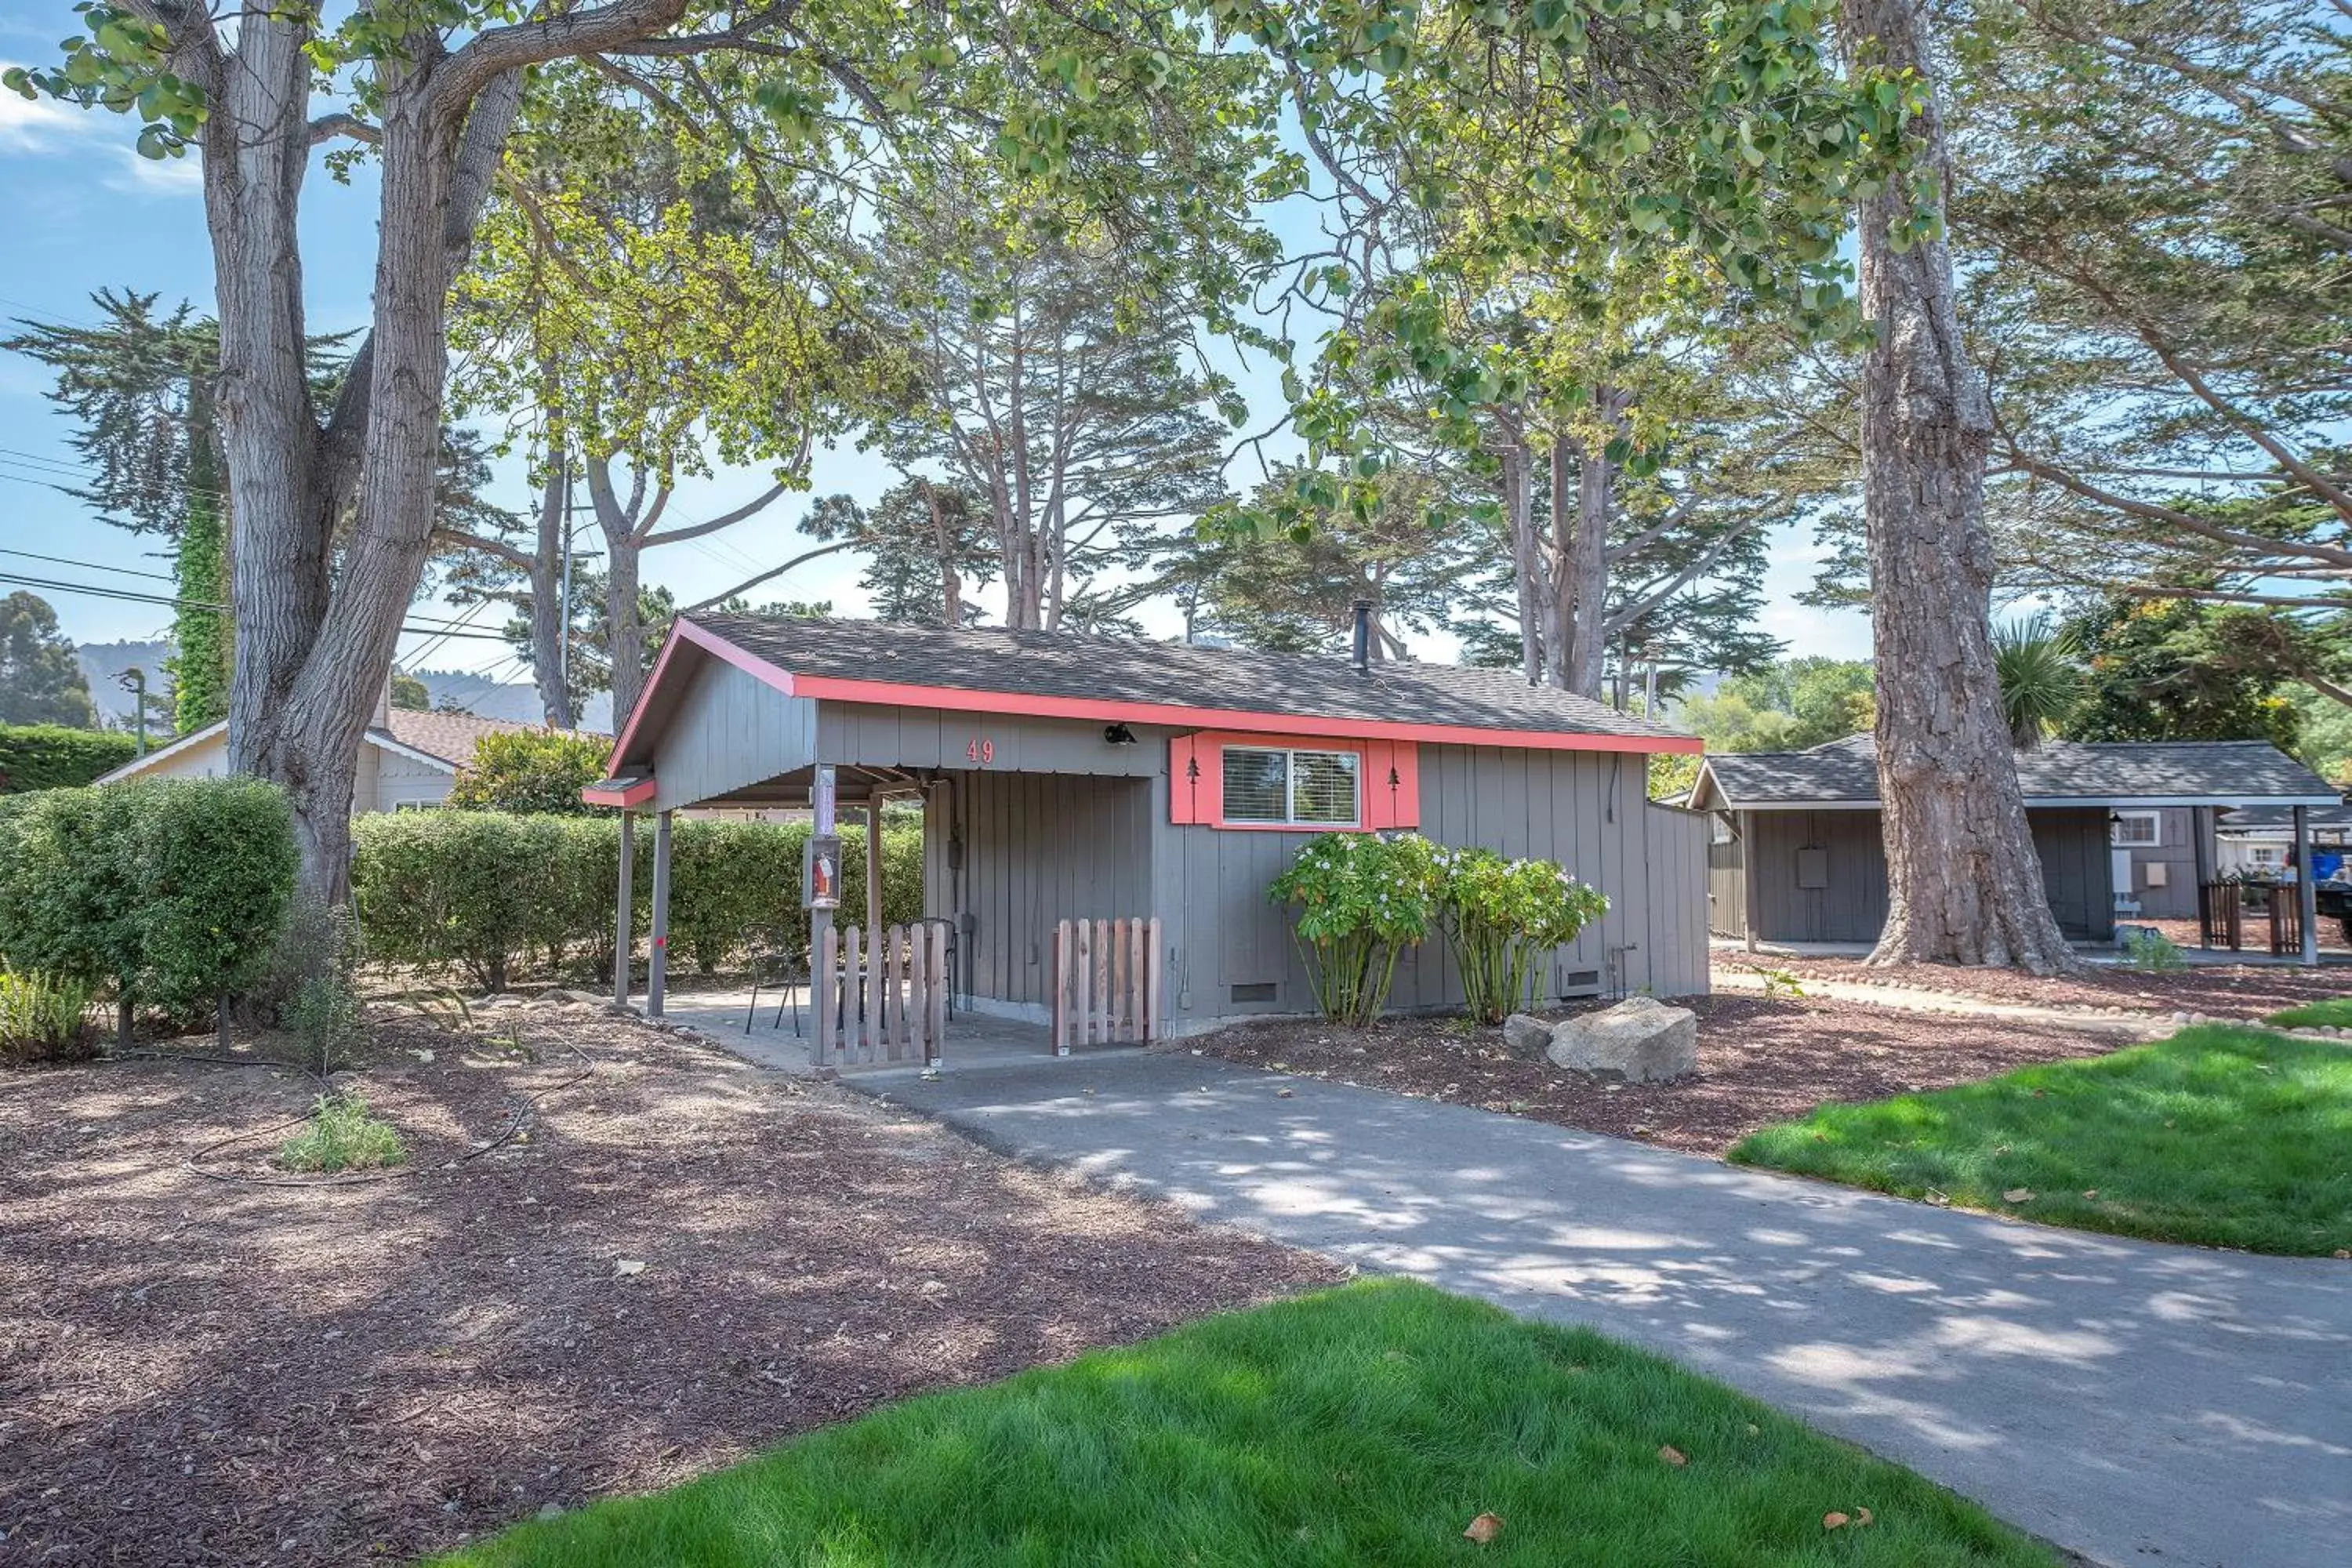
(885, 693)
(888, 694)
(137, 766)
(385, 741)
(2060, 801)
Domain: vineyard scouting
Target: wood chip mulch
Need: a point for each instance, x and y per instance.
(1760, 1061)
(195, 1372)
(2226, 990)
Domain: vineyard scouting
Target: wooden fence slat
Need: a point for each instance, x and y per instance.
(827, 948)
(902, 1001)
(1157, 955)
(1117, 1008)
(1135, 960)
(935, 1011)
(853, 1008)
(1102, 981)
(918, 989)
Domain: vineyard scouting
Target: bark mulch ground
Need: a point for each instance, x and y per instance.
(1760, 1062)
(197, 1371)
(2222, 989)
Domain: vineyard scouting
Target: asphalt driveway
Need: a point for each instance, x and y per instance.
(2132, 1402)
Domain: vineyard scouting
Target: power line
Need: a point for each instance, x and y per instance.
(96, 591)
(93, 565)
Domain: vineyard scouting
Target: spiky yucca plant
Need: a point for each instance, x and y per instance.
(2039, 682)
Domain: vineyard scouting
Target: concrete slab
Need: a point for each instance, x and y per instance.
(974, 1039)
(2135, 1403)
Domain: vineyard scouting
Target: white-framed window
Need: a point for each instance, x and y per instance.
(1718, 827)
(2136, 829)
(2268, 856)
(1281, 786)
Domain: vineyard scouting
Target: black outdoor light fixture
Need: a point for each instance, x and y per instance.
(1117, 735)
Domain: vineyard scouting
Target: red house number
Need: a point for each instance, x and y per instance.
(981, 751)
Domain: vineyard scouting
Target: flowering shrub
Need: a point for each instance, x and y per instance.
(1361, 898)
(1501, 917)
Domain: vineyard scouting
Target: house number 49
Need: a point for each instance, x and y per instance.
(981, 751)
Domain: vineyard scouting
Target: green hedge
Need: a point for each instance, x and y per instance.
(485, 892)
(172, 890)
(51, 756)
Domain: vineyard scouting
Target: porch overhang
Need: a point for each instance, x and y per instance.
(624, 789)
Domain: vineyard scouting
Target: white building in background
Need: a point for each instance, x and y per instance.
(409, 762)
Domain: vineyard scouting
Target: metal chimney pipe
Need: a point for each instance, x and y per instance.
(1363, 637)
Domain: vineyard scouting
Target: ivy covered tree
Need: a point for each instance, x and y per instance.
(139, 388)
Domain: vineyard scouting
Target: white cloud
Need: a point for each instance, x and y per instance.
(43, 127)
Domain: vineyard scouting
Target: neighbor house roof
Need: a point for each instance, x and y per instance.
(1845, 775)
(1125, 680)
(439, 739)
(2280, 818)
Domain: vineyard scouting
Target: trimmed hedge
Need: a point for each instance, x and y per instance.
(51, 756)
(485, 891)
(174, 889)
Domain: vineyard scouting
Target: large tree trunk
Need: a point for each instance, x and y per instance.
(1515, 480)
(1963, 882)
(1584, 594)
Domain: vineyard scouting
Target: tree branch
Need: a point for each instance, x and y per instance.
(498, 50)
(749, 583)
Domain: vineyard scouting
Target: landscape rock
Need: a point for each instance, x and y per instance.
(1639, 1040)
(1526, 1037)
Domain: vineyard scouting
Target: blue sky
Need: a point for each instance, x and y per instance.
(87, 213)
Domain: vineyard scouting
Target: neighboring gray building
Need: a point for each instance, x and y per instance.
(2125, 830)
(1080, 777)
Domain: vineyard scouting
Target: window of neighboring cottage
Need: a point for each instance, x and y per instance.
(1283, 787)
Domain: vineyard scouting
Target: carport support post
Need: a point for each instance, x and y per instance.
(623, 927)
(657, 958)
(2306, 886)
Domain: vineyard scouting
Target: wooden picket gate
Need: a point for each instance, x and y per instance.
(887, 1003)
(1106, 983)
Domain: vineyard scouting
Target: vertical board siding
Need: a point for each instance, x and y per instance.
(1727, 886)
(1586, 810)
(854, 733)
(728, 730)
(1037, 848)
(2072, 843)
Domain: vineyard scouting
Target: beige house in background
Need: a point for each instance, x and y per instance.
(409, 762)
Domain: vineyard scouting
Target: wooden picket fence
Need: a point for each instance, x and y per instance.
(1106, 983)
(887, 1002)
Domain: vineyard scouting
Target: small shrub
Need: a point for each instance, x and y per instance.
(322, 1008)
(2151, 951)
(174, 891)
(530, 772)
(44, 1018)
(1362, 899)
(342, 1135)
(1501, 918)
(1781, 983)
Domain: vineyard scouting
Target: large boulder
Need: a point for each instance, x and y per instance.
(1525, 1036)
(1639, 1040)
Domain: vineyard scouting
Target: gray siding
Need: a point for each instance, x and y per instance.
(1851, 906)
(850, 733)
(1036, 849)
(727, 732)
(1727, 886)
(1584, 809)
(2177, 900)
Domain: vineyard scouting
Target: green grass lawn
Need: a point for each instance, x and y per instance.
(1371, 1424)
(2222, 1136)
(2334, 1013)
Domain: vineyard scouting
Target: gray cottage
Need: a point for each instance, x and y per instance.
(2124, 828)
(1142, 796)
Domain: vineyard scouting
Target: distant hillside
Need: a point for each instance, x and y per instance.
(516, 701)
(103, 662)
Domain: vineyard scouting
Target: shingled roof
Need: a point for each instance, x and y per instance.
(2056, 773)
(1181, 677)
